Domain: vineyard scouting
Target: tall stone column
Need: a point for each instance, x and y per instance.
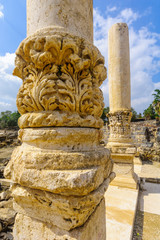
(60, 172)
(120, 142)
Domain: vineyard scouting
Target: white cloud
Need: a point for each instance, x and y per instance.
(3, 104)
(144, 55)
(129, 16)
(9, 84)
(111, 9)
(1, 11)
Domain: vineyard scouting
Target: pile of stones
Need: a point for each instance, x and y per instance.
(7, 214)
(9, 137)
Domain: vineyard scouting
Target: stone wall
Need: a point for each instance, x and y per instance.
(146, 136)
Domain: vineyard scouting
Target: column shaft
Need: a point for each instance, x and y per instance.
(119, 85)
(64, 171)
(120, 142)
(75, 17)
(119, 68)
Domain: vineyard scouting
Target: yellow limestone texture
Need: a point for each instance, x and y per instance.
(119, 68)
(61, 76)
(75, 16)
(120, 142)
(119, 84)
(60, 172)
(35, 229)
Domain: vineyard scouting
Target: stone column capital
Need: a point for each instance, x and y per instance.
(61, 76)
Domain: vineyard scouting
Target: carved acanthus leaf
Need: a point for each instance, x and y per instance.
(60, 73)
(119, 123)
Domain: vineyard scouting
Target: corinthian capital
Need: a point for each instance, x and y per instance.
(61, 77)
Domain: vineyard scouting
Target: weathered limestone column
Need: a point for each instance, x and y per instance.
(60, 171)
(74, 16)
(120, 142)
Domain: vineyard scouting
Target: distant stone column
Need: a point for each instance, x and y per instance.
(119, 85)
(120, 142)
(60, 171)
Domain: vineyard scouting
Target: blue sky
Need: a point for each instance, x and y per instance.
(142, 17)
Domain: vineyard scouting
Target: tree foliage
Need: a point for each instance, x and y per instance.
(134, 115)
(153, 111)
(9, 119)
(140, 116)
(156, 102)
(104, 117)
(149, 113)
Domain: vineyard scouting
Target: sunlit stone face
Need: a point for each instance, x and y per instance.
(119, 68)
(73, 16)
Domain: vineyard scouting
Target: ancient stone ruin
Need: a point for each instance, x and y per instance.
(120, 142)
(60, 172)
(61, 182)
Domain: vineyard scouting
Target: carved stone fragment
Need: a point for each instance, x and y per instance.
(60, 73)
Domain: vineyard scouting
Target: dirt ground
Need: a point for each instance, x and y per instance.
(6, 152)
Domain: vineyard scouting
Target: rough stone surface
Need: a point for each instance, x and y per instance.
(34, 229)
(62, 76)
(66, 212)
(120, 131)
(8, 137)
(60, 171)
(59, 161)
(124, 169)
(146, 136)
(7, 214)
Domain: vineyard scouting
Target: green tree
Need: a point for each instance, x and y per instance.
(156, 102)
(104, 117)
(13, 119)
(134, 115)
(9, 119)
(149, 113)
(139, 115)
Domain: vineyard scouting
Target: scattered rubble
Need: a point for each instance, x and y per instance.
(8, 140)
(7, 214)
(9, 137)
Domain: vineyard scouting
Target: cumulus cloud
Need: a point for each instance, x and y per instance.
(1, 11)
(9, 84)
(144, 60)
(144, 55)
(129, 16)
(111, 9)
